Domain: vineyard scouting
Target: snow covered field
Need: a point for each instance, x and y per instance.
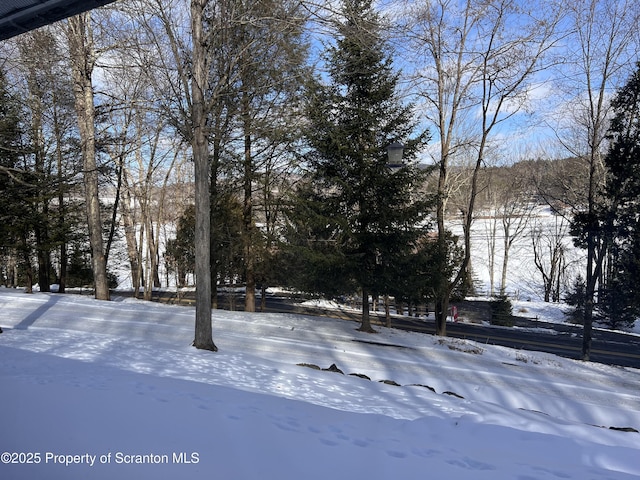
(524, 280)
(89, 389)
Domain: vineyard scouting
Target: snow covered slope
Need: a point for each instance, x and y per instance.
(103, 390)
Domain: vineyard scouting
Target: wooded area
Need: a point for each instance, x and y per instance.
(234, 143)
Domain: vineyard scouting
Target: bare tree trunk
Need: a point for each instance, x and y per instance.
(28, 267)
(604, 32)
(130, 237)
(200, 145)
(82, 62)
(387, 312)
(492, 231)
(152, 246)
(62, 278)
(505, 264)
(41, 202)
(114, 211)
(595, 257)
(148, 282)
(213, 200)
(444, 289)
(247, 213)
(365, 325)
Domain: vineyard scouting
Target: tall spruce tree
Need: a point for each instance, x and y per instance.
(619, 218)
(354, 217)
(19, 188)
(10, 150)
(14, 186)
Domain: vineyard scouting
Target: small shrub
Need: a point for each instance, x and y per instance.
(521, 357)
(576, 297)
(501, 311)
(461, 346)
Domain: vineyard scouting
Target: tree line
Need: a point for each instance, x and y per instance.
(258, 130)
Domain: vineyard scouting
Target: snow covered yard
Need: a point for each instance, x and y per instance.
(103, 390)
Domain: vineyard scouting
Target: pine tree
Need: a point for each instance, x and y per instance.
(617, 308)
(354, 217)
(576, 298)
(10, 147)
(270, 50)
(180, 252)
(16, 189)
(619, 219)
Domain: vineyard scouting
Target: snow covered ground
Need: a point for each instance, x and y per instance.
(524, 280)
(90, 389)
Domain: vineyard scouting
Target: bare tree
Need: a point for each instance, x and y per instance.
(516, 210)
(477, 62)
(549, 250)
(603, 48)
(225, 92)
(270, 52)
(120, 144)
(181, 61)
(82, 58)
(200, 148)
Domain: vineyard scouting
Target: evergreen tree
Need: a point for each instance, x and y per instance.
(354, 218)
(226, 241)
(258, 62)
(180, 253)
(35, 161)
(10, 148)
(16, 189)
(619, 220)
(576, 298)
(617, 308)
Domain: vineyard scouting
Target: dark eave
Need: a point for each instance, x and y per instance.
(20, 16)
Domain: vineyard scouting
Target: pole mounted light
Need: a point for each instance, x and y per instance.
(394, 155)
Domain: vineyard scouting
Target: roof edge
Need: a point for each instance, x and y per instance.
(41, 13)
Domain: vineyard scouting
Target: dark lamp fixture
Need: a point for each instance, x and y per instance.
(394, 154)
